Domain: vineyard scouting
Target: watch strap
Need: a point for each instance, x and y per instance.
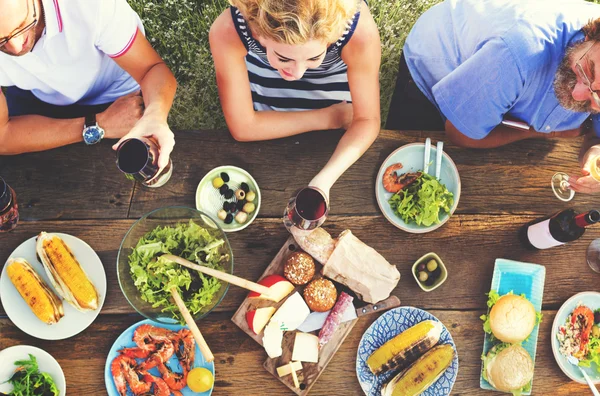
(90, 120)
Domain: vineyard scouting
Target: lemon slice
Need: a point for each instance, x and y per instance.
(200, 380)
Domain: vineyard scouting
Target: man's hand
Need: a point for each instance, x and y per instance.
(341, 115)
(121, 116)
(586, 183)
(157, 129)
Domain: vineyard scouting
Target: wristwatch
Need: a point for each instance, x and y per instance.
(92, 132)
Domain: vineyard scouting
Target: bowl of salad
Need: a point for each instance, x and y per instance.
(411, 199)
(146, 278)
(576, 331)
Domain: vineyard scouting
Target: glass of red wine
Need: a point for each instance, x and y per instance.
(138, 157)
(593, 255)
(9, 209)
(307, 209)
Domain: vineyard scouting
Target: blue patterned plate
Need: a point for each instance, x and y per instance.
(125, 340)
(389, 325)
(520, 278)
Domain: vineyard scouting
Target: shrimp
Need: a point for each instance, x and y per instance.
(127, 367)
(175, 381)
(390, 178)
(138, 353)
(160, 387)
(118, 375)
(585, 316)
(147, 336)
(162, 355)
(185, 349)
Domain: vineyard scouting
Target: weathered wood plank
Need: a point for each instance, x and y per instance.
(468, 244)
(69, 182)
(239, 368)
(78, 182)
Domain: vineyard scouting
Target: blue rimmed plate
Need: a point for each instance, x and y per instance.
(125, 340)
(520, 278)
(592, 301)
(411, 157)
(386, 327)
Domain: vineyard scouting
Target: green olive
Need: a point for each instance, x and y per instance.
(222, 214)
(432, 265)
(596, 331)
(217, 182)
(423, 276)
(240, 194)
(250, 196)
(249, 207)
(241, 217)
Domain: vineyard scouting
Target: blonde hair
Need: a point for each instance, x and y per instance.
(297, 21)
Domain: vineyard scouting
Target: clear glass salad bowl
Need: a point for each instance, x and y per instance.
(169, 216)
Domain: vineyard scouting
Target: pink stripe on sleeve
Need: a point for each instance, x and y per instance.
(58, 16)
(127, 46)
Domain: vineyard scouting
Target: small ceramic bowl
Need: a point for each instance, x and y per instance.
(439, 281)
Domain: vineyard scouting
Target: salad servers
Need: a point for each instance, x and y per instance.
(427, 155)
(574, 361)
(438, 159)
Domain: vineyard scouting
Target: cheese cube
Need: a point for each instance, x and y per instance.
(286, 370)
(292, 313)
(306, 348)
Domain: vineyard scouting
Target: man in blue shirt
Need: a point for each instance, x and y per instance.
(499, 71)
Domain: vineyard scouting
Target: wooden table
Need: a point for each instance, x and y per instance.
(78, 190)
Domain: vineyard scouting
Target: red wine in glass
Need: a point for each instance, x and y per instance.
(307, 209)
(9, 209)
(137, 158)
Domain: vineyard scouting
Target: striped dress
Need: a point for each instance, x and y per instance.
(318, 88)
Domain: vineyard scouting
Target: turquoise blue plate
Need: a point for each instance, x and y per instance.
(388, 326)
(411, 157)
(592, 301)
(520, 278)
(125, 340)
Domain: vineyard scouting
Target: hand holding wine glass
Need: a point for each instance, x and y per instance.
(590, 181)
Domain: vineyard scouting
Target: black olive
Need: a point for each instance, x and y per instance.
(228, 194)
(240, 204)
(226, 206)
(225, 177)
(597, 317)
(223, 189)
(245, 187)
(229, 218)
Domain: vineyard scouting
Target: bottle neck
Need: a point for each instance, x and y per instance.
(586, 219)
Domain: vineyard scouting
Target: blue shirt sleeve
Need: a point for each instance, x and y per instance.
(476, 95)
(596, 124)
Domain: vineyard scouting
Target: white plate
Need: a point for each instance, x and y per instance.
(46, 363)
(209, 200)
(74, 321)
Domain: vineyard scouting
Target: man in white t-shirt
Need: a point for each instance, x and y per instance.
(73, 71)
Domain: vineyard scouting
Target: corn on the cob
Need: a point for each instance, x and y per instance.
(65, 273)
(421, 374)
(43, 302)
(405, 348)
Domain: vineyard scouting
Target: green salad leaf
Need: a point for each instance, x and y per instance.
(422, 201)
(593, 355)
(154, 277)
(29, 381)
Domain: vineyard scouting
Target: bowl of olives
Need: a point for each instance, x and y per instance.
(430, 272)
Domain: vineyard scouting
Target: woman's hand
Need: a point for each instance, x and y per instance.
(157, 129)
(586, 183)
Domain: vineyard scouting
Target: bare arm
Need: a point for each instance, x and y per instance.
(243, 122)
(363, 57)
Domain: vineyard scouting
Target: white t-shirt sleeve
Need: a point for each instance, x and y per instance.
(117, 27)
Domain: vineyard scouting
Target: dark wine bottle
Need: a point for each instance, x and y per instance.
(558, 229)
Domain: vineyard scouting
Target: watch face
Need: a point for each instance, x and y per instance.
(93, 134)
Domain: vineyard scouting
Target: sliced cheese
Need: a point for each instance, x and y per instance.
(306, 348)
(286, 370)
(295, 378)
(292, 313)
(272, 339)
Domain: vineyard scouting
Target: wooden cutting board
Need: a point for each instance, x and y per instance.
(310, 371)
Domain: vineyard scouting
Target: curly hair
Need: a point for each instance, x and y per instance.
(297, 21)
(592, 29)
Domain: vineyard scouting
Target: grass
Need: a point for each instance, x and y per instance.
(178, 29)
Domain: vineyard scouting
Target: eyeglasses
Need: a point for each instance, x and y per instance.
(5, 40)
(585, 78)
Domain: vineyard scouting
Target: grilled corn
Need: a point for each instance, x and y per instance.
(424, 372)
(65, 273)
(43, 302)
(405, 348)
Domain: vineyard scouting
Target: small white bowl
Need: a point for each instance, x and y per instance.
(443, 276)
(209, 200)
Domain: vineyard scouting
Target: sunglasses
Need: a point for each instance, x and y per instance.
(585, 78)
(5, 40)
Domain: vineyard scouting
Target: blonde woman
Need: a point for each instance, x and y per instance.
(289, 67)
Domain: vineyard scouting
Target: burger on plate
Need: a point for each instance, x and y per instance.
(508, 368)
(511, 318)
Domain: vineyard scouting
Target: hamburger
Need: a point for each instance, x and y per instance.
(508, 368)
(511, 318)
